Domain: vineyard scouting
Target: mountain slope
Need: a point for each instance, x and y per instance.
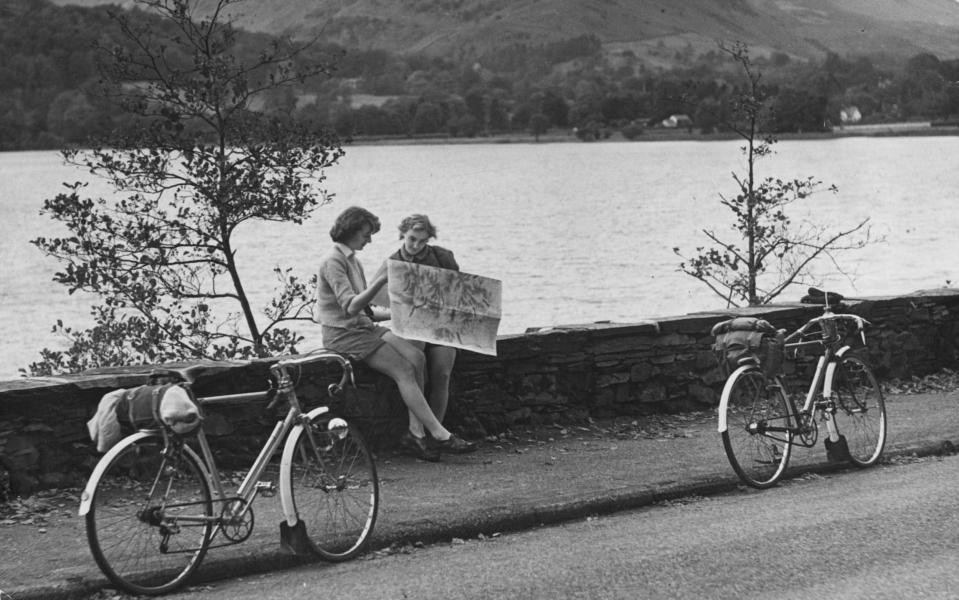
(467, 28)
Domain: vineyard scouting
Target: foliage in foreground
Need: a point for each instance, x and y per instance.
(196, 163)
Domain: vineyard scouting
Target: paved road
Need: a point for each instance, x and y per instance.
(887, 532)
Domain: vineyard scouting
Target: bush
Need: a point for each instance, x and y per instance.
(632, 131)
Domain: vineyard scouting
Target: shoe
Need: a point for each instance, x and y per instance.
(418, 448)
(454, 445)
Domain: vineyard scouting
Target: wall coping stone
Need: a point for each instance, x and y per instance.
(510, 346)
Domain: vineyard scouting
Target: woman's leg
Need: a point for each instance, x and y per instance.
(406, 369)
(439, 361)
(413, 352)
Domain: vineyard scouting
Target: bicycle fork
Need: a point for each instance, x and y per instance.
(837, 451)
(825, 405)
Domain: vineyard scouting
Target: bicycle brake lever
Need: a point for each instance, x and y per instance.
(274, 399)
(861, 325)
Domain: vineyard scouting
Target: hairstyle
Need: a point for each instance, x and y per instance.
(350, 221)
(418, 223)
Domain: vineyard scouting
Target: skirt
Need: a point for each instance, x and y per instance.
(356, 343)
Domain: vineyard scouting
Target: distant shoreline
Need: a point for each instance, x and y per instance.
(924, 129)
(665, 135)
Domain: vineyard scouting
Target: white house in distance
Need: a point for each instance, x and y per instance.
(849, 115)
(677, 121)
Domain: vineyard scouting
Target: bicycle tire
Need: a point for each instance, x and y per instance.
(860, 410)
(133, 524)
(751, 404)
(334, 488)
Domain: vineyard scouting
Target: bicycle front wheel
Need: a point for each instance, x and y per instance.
(860, 410)
(334, 487)
(150, 520)
(758, 435)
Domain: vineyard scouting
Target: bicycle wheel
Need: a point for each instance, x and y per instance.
(149, 523)
(757, 438)
(333, 486)
(860, 410)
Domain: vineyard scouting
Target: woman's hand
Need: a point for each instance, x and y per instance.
(363, 299)
(380, 313)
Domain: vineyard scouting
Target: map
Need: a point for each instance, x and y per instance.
(445, 307)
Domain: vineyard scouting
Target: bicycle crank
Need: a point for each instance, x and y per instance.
(808, 430)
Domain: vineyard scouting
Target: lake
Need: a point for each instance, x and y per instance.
(576, 232)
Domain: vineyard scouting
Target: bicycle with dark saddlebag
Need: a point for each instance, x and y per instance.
(760, 421)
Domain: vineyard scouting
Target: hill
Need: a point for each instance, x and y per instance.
(654, 30)
(465, 68)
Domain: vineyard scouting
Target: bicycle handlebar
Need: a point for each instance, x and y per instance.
(272, 395)
(859, 321)
(324, 355)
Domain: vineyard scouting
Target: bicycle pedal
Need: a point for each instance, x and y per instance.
(266, 488)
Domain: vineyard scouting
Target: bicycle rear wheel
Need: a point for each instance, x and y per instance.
(860, 410)
(334, 487)
(757, 438)
(136, 524)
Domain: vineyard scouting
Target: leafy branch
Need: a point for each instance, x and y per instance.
(197, 160)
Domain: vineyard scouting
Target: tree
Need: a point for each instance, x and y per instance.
(72, 116)
(428, 118)
(199, 163)
(538, 124)
(556, 108)
(769, 252)
(797, 111)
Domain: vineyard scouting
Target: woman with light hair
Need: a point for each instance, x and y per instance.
(416, 231)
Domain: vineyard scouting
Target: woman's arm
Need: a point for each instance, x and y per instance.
(334, 272)
(361, 300)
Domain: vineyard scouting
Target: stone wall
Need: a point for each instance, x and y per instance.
(558, 374)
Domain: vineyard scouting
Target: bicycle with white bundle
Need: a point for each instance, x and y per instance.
(156, 502)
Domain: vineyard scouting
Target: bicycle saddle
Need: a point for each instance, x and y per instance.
(818, 296)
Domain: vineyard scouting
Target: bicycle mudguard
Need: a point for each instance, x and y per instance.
(724, 398)
(831, 370)
(86, 498)
(286, 463)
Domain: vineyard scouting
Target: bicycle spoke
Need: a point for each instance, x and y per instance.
(134, 526)
(860, 414)
(335, 490)
(753, 407)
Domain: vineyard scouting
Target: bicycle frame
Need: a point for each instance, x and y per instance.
(819, 387)
(248, 489)
(821, 382)
(760, 422)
